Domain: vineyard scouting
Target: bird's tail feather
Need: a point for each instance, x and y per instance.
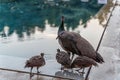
(99, 58)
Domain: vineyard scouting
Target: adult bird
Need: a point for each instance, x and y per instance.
(63, 58)
(73, 42)
(35, 61)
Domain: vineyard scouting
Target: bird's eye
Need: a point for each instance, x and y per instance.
(61, 33)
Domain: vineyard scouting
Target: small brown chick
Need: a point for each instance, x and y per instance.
(63, 58)
(83, 62)
(35, 61)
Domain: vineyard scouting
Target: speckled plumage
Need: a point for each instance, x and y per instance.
(83, 62)
(36, 61)
(63, 58)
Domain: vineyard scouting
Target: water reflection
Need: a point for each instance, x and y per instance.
(68, 74)
(103, 15)
(37, 77)
(23, 16)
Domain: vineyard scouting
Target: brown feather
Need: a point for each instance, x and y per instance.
(73, 42)
(82, 62)
(35, 61)
(63, 58)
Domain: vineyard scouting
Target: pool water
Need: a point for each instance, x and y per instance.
(30, 27)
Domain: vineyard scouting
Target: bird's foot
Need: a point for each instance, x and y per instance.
(31, 75)
(38, 72)
(62, 68)
(82, 73)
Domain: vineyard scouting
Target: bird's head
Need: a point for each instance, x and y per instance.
(42, 54)
(27, 64)
(58, 50)
(61, 27)
(62, 18)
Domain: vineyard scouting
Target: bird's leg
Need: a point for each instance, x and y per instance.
(38, 70)
(83, 71)
(31, 69)
(72, 57)
(80, 71)
(62, 67)
(31, 75)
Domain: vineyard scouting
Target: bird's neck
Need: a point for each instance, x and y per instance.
(61, 28)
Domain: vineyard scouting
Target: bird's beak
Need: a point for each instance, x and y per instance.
(57, 37)
(24, 66)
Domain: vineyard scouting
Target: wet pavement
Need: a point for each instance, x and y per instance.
(109, 49)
